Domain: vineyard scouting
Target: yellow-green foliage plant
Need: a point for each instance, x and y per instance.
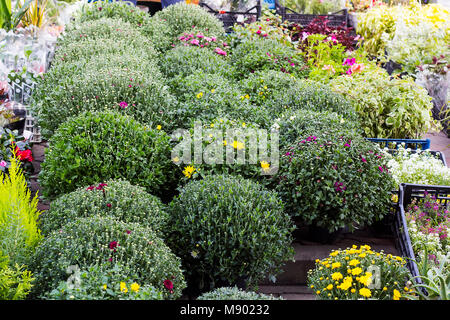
(15, 282)
(19, 232)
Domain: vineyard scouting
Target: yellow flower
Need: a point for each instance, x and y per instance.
(312, 286)
(158, 127)
(243, 124)
(366, 279)
(384, 289)
(134, 287)
(362, 255)
(199, 95)
(396, 295)
(238, 145)
(318, 292)
(329, 287)
(334, 253)
(247, 96)
(104, 287)
(335, 265)
(353, 263)
(353, 291)
(337, 276)
(176, 159)
(365, 292)
(224, 142)
(212, 125)
(356, 271)
(265, 165)
(213, 90)
(123, 287)
(188, 171)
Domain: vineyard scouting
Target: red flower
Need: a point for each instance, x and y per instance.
(168, 284)
(113, 245)
(90, 188)
(108, 205)
(23, 154)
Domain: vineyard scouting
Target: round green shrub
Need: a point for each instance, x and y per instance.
(95, 147)
(105, 282)
(114, 82)
(229, 147)
(310, 95)
(114, 10)
(266, 54)
(98, 29)
(205, 97)
(115, 198)
(102, 241)
(185, 60)
(88, 49)
(333, 179)
(234, 293)
(166, 25)
(293, 124)
(226, 229)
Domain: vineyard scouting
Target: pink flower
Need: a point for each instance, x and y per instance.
(349, 62)
(220, 52)
(3, 163)
(123, 104)
(363, 159)
(258, 32)
(200, 36)
(195, 42)
(380, 168)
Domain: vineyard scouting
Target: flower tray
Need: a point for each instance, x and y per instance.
(409, 143)
(408, 192)
(336, 19)
(229, 18)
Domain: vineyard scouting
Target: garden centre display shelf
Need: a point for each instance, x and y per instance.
(407, 192)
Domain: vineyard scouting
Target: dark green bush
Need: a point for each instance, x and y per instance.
(166, 25)
(105, 282)
(226, 229)
(205, 97)
(115, 198)
(114, 82)
(234, 293)
(102, 241)
(334, 178)
(266, 54)
(95, 147)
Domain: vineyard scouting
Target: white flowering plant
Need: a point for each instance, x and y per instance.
(418, 167)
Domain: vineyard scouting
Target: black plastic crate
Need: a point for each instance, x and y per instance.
(230, 18)
(335, 19)
(407, 192)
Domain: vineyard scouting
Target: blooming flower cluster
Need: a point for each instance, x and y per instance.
(359, 273)
(418, 167)
(199, 39)
(428, 224)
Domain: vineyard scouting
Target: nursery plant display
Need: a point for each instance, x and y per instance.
(182, 162)
(244, 234)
